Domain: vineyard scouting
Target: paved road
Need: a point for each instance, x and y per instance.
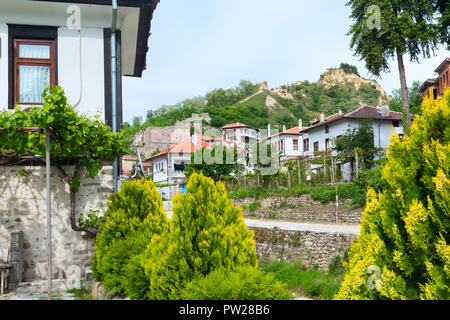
(299, 226)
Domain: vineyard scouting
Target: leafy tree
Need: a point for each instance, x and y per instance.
(358, 138)
(405, 228)
(348, 68)
(443, 9)
(75, 139)
(415, 99)
(207, 232)
(405, 27)
(136, 121)
(221, 168)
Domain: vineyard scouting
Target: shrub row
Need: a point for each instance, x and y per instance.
(205, 251)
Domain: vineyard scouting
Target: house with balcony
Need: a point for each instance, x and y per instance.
(321, 134)
(241, 134)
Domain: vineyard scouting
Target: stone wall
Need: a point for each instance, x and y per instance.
(23, 207)
(313, 248)
(301, 208)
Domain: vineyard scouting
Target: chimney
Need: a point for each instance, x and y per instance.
(340, 112)
(268, 130)
(322, 117)
(284, 127)
(300, 125)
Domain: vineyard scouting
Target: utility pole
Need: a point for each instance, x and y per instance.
(333, 162)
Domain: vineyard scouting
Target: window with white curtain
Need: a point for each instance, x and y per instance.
(34, 67)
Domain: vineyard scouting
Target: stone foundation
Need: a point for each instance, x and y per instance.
(301, 208)
(23, 207)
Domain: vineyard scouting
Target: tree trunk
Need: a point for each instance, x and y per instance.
(404, 89)
(73, 222)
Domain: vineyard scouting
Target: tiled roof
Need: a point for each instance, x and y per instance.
(442, 65)
(129, 158)
(237, 125)
(187, 146)
(363, 112)
(292, 131)
(428, 83)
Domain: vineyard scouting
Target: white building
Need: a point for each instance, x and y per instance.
(321, 134)
(68, 43)
(241, 134)
(288, 143)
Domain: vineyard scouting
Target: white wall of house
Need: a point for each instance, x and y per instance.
(382, 130)
(160, 174)
(89, 92)
(3, 66)
(287, 145)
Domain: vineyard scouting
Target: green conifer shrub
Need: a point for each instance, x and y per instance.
(245, 283)
(133, 216)
(207, 232)
(403, 250)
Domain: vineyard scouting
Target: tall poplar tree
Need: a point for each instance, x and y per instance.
(385, 29)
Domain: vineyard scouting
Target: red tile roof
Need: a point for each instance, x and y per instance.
(147, 165)
(187, 146)
(292, 131)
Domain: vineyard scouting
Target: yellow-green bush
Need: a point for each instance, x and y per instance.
(133, 216)
(207, 232)
(403, 250)
(245, 283)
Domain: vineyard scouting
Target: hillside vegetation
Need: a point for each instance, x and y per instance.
(257, 105)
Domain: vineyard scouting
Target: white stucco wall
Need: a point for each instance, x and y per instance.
(91, 89)
(3, 66)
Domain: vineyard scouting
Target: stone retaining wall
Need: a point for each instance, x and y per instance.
(301, 208)
(23, 207)
(313, 248)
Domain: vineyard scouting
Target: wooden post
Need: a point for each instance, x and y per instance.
(357, 166)
(337, 194)
(289, 179)
(324, 167)
(299, 172)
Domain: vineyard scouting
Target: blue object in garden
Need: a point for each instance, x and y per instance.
(183, 189)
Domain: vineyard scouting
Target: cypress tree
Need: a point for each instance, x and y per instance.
(403, 250)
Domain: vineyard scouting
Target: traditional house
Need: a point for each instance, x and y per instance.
(241, 134)
(288, 143)
(321, 134)
(435, 87)
(67, 43)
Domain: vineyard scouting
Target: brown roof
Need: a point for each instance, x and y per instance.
(237, 125)
(427, 84)
(363, 112)
(129, 158)
(187, 146)
(442, 65)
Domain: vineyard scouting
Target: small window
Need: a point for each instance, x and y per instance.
(34, 70)
(396, 123)
(306, 145)
(316, 146)
(327, 144)
(327, 129)
(295, 143)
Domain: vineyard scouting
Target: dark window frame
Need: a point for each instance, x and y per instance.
(29, 32)
(18, 61)
(396, 123)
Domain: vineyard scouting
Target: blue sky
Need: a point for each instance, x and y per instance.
(200, 45)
